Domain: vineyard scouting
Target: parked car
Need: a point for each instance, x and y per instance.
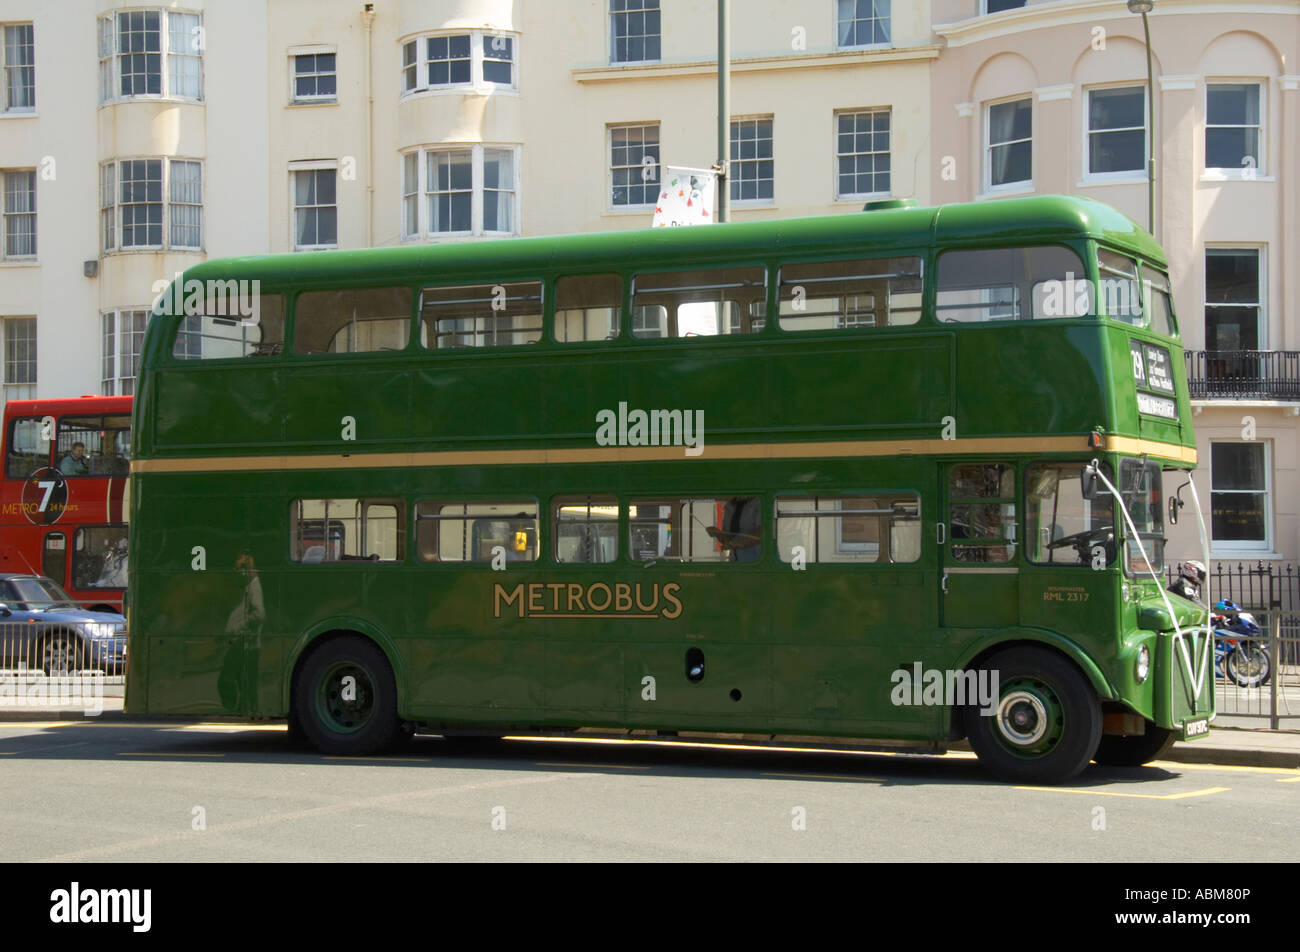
(42, 627)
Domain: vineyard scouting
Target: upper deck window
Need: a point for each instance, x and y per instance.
(699, 303)
(833, 295)
(349, 322)
(28, 447)
(481, 315)
(227, 324)
(1121, 295)
(1160, 301)
(93, 446)
(587, 307)
(1012, 284)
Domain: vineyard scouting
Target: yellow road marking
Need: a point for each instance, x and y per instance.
(824, 776)
(1290, 780)
(176, 726)
(166, 753)
(597, 766)
(1137, 796)
(1238, 768)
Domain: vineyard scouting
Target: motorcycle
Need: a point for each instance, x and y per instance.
(1240, 654)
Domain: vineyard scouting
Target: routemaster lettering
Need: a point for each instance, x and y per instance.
(599, 599)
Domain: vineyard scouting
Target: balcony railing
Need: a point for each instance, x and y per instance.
(1243, 374)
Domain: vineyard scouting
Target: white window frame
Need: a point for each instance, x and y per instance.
(115, 206)
(769, 118)
(1020, 185)
(609, 165)
(1128, 175)
(110, 63)
(318, 99)
(21, 389)
(984, 8)
(117, 382)
(422, 192)
(835, 30)
(1262, 251)
(477, 84)
(1245, 173)
(612, 37)
(1237, 547)
(6, 68)
(312, 166)
(5, 215)
(836, 154)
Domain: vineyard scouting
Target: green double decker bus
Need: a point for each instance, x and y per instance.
(895, 478)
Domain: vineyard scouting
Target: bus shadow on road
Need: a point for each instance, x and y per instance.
(535, 754)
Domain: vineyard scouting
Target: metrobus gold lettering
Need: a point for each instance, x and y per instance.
(599, 599)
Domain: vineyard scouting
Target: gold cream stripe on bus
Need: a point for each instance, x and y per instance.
(645, 454)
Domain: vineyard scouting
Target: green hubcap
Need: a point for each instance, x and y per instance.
(345, 697)
(1030, 718)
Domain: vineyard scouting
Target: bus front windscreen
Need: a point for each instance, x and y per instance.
(1141, 488)
(1063, 527)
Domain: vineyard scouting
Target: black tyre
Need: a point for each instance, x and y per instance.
(1248, 666)
(1134, 751)
(1047, 721)
(58, 654)
(345, 698)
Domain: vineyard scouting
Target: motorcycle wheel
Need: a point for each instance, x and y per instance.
(1247, 666)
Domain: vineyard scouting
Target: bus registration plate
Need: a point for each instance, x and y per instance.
(1196, 727)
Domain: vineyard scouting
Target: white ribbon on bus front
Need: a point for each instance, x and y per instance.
(1197, 678)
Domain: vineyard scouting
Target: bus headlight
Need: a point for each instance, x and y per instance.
(1143, 664)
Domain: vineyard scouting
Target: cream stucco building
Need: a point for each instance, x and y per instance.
(1049, 96)
(136, 140)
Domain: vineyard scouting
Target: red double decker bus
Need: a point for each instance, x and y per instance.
(62, 506)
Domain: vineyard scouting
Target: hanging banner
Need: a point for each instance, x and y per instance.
(685, 198)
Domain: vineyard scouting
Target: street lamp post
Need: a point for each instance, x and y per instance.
(1144, 7)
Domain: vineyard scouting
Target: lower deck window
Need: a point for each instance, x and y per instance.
(348, 530)
(99, 557)
(476, 531)
(723, 529)
(868, 528)
(586, 529)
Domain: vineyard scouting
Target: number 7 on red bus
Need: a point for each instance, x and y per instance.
(63, 496)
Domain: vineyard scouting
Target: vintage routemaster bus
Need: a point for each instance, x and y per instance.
(821, 477)
(63, 495)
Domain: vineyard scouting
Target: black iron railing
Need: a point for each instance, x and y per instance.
(1243, 374)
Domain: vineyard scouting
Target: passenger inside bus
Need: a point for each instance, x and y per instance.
(739, 533)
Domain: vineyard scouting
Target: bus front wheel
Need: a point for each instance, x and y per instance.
(345, 698)
(1045, 723)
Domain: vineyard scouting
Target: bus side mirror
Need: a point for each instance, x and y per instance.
(1088, 481)
(1176, 503)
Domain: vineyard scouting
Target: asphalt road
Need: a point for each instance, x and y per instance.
(134, 792)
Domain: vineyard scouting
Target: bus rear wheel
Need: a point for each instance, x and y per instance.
(1135, 750)
(345, 698)
(1046, 721)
